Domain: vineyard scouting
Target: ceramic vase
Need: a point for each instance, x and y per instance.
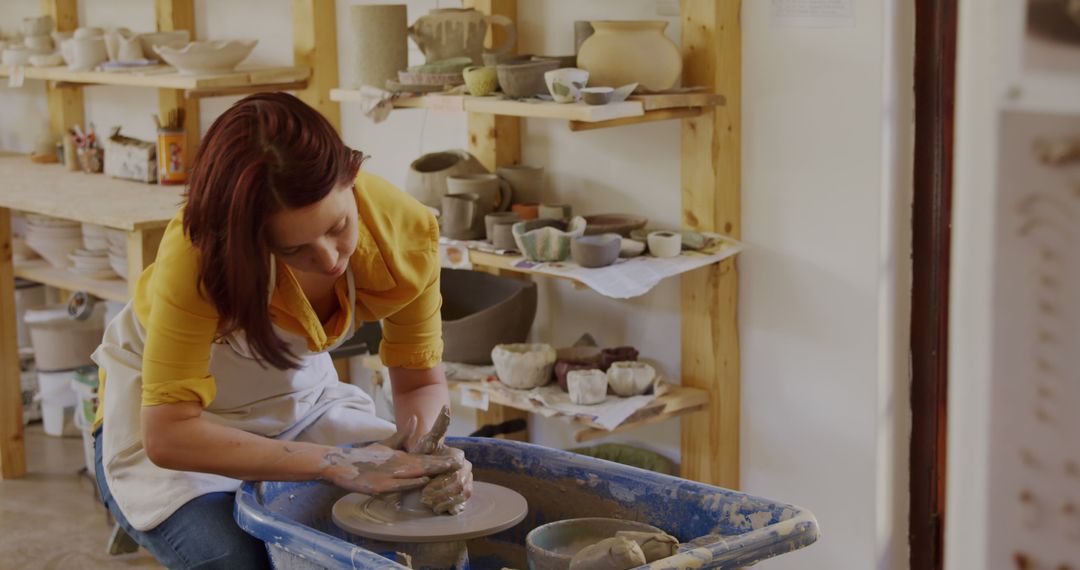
(379, 44)
(622, 52)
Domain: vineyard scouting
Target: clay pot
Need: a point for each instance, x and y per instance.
(427, 176)
(481, 81)
(494, 191)
(597, 95)
(496, 218)
(553, 545)
(596, 251)
(547, 240)
(481, 311)
(608, 356)
(665, 244)
(378, 42)
(622, 52)
(502, 236)
(454, 32)
(520, 80)
(630, 378)
(523, 366)
(587, 387)
(526, 211)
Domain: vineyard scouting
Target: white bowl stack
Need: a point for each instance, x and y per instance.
(92, 259)
(117, 251)
(52, 238)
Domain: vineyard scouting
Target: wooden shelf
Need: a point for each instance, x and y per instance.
(165, 77)
(639, 108)
(52, 190)
(41, 272)
(677, 402)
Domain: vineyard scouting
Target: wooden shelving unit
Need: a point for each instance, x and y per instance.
(142, 210)
(710, 149)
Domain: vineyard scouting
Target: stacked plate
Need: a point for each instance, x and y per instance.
(94, 238)
(91, 263)
(117, 251)
(52, 238)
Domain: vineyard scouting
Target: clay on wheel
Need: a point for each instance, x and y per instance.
(617, 553)
(655, 545)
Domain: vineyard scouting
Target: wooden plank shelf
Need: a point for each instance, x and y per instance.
(638, 108)
(51, 190)
(41, 272)
(678, 401)
(165, 77)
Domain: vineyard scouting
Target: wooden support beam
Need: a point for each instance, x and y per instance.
(495, 140)
(711, 158)
(142, 248)
(65, 104)
(12, 446)
(315, 46)
(179, 15)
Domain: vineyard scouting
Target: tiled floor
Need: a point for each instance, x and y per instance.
(51, 519)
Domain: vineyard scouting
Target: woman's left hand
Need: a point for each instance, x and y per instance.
(446, 493)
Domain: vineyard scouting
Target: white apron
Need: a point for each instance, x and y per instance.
(305, 404)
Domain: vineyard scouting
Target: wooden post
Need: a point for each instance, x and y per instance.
(495, 140)
(142, 246)
(12, 448)
(711, 159)
(315, 46)
(179, 15)
(65, 103)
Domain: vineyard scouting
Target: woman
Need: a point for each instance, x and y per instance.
(218, 369)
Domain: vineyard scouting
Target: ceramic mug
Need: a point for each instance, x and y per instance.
(493, 218)
(665, 244)
(481, 81)
(502, 235)
(526, 181)
(463, 216)
(526, 211)
(494, 191)
(556, 211)
(88, 53)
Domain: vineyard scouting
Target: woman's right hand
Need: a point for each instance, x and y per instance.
(377, 469)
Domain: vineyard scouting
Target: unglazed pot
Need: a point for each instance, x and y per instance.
(427, 176)
(623, 52)
(378, 40)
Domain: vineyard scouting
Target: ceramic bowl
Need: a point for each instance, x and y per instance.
(526, 79)
(523, 366)
(596, 251)
(565, 84)
(546, 239)
(480, 311)
(587, 387)
(37, 26)
(47, 60)
(89, 32)
(597, 95)
(176, 39)
(551, 546)
(55, 251)
(209, 57)
(622, 224)
(482, 81)
(630, 378)
(665, 244)
(631, 248)
(690, 239)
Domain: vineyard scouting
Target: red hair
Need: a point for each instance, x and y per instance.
(268, 152)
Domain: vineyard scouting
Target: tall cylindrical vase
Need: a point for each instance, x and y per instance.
(379, 43)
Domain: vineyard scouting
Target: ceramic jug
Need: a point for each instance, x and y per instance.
(427, 176)
(454, 32)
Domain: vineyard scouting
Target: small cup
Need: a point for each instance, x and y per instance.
(556, 211)
(502, 236)
(587, 387)
(496, 217)
(665, 244)
(526, 211)
(597, 95)
(565, 84)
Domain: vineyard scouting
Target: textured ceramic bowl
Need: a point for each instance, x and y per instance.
(519, 80)
(551, 546)
(630, 378)
(482, 81)
(175, 39)
(480, 311)
(547, 240)
(596, 251)
(523, 366)
(622, 224)
(204, 58)
(587, 387)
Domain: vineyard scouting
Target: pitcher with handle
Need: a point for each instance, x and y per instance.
(454, 32)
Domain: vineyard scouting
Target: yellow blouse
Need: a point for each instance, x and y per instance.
(396, 265)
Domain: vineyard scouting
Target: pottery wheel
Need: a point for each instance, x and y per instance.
(490, 509)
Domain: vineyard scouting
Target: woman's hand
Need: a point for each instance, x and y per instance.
(379, 468)
(447, 493)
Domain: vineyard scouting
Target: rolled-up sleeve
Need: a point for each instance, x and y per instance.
(412, 337)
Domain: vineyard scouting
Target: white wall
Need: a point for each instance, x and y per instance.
(822, 287)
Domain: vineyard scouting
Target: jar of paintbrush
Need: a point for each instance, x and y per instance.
(172, 148)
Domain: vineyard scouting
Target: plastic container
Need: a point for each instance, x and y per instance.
(84, 383)
(57, 403)
(726, 529)
(61, 343)
(28, 295)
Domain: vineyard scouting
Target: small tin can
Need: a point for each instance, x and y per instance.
(171, 152)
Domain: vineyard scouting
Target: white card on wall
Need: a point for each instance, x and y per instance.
(1034, 466)
(813, 13)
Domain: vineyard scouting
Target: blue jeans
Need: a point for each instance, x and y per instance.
(202, 534)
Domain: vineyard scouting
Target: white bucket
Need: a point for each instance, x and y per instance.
(61, 343)
(28, 295)
(57, 402)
